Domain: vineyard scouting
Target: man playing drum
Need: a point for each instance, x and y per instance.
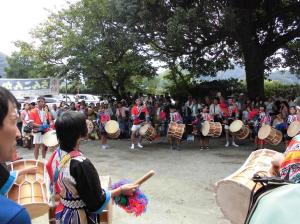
(229, 114)
(139, 115)
(38, 116)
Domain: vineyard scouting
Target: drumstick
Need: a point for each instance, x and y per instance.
(144, 178)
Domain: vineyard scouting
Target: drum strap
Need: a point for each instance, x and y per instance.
(268, 184)
(63, 162)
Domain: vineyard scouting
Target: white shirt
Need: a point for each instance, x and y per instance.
(215, 109)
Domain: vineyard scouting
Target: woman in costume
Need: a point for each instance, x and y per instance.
(81, 193)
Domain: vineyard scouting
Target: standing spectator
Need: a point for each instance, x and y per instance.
(284, 110)
(121, 116)
(25, 117)
(241, 102)
(215, 110)
(54, 111)
(269, 106)
(48, 116)
(72, 106)
(195, 108)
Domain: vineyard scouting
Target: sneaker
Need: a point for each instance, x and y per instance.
(227, 144)
(132, 146)
(104, 147)
(140, 146)
(234, 144)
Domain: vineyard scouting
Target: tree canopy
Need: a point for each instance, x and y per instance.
(110, 44)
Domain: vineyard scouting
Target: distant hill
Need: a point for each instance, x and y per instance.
(239, 73)
(3, 64)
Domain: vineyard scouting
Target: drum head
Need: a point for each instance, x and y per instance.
(205, 128)
(294, 129)
(236, 126)
(144, 129)
(264, 132)
(238, 196)
(111, 127)
(50, 139)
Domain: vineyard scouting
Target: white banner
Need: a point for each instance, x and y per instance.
(31, 87)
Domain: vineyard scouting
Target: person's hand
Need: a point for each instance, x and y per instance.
(275, 165)
(128, 189)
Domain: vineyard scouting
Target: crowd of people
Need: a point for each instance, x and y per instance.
(160, 111)
(74, 180)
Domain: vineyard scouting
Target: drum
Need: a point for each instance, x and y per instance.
(270, 135)
(106, 215)
(112, 129)
(148, 132)
(238, 129)
(176, 130)
(30, 190)
(90, 126)
(213, 129)
(50, 139)
(233, 192)
(294, 129)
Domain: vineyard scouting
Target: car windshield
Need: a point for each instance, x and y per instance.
(49, 100)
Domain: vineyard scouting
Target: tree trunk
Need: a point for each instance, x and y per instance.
(254, 67)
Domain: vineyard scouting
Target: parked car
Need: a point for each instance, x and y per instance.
(68, 98)
(88, 98)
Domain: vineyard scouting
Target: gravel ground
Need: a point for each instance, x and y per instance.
(182, 191)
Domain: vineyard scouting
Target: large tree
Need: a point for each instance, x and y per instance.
(89, 44)
(205, 36)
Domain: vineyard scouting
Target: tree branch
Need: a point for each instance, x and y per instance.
(271, 47)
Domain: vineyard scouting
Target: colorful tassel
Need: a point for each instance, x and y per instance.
(136, 204)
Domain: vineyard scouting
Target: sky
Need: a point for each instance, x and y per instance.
(19, 17)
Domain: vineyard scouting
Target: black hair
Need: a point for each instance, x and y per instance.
(217, 99)
(5, 97)
(70, 126)
(41, 98)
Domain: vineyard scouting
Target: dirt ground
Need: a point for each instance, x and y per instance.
(182, 191)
